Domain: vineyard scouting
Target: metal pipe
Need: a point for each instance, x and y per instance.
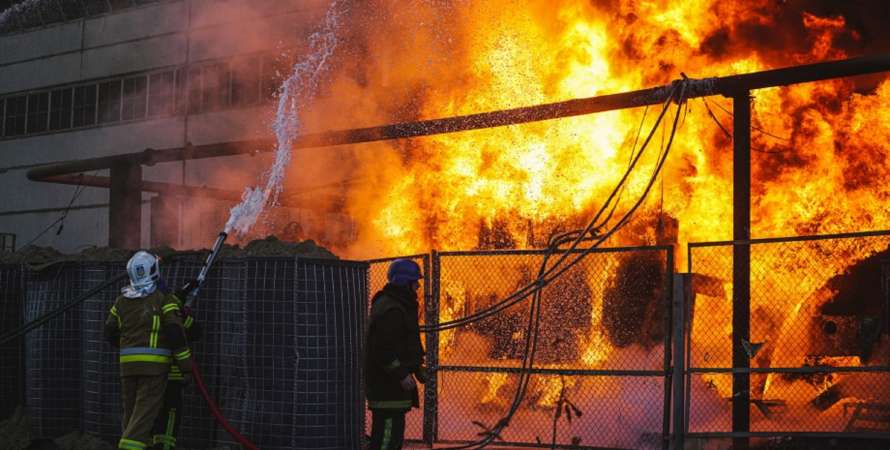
(149, 157)
(695, 88)
(162, 188)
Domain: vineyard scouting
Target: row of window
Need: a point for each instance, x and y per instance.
(34, 14)
(186, 90)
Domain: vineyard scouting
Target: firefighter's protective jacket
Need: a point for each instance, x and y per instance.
(193, 333)
(394, 350)
(149, 331)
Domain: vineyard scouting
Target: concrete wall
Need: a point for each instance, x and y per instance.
(136, 40)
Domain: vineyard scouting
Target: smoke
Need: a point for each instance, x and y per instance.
(300, 86)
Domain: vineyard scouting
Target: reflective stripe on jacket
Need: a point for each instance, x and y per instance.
(150, 334)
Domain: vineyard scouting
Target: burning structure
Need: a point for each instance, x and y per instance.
(817, 150)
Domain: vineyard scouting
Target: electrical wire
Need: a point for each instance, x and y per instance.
(61, 220)
(578, 236)
(40, 321)
(754, 127)
(531, 340)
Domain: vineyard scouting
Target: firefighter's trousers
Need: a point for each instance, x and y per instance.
(166, 426)
(142, 397)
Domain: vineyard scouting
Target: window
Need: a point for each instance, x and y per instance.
(110, 101)
(38, 112)
(246, 82)
(134, 99)
(160, 94)
(16, 113)
(194, 90)
(60, 109)
(84, 105)
(216, 87)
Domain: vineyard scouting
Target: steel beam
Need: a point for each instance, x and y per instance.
(125, 209)
(741, 264)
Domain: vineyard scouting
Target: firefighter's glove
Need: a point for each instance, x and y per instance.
(408, 383)
(187, 380)
(421, 375)
(186, 289)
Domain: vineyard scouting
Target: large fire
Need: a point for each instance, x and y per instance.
(820, 149)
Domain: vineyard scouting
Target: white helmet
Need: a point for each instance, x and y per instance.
(144, 275)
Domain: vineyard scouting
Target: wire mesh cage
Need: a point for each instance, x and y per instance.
(280, 352)
(53, 354)
(11, 354)
(101, 408)
(819, 349)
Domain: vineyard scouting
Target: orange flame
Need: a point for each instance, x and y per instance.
(820, 149)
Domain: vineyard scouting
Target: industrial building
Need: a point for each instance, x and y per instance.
(87, 79)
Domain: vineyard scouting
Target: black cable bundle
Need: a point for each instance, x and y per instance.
(547, 275)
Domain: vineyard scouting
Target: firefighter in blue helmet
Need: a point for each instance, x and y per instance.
(394, 355)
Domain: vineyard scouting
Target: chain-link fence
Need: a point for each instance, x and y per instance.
(280, 352)
(818, 350)
(602, 365)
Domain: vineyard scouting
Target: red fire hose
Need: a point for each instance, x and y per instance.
(216, 412)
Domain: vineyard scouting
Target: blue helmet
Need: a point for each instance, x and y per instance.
(403, 271)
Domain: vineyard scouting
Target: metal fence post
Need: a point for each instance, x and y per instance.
(668, 344)
(682, 283)
(741, 266)
(431, 273)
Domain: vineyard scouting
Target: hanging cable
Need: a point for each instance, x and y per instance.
(61, 220)
(577, 236)
(543, 279)
(729, 135)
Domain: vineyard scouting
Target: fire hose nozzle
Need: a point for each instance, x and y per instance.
(211, 258)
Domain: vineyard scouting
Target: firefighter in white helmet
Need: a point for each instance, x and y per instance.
(146, 324)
